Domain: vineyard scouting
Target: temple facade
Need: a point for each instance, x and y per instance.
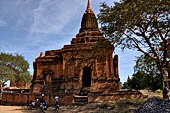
(75, 67)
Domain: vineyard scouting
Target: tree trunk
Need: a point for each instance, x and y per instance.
(164, 73)
(1, 89)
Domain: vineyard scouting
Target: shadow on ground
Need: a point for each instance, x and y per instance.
(123, 106)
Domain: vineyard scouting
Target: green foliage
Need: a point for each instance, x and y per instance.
(102, 44)
(141, 25)
(101, 47)
(13, 68)
(121, 85)
(158, 91)
(149, 66)
(146, 64)
(152, 77)
(139, 81)
(127, 85)
(132, 17)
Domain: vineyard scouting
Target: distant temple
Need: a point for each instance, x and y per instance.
(74, 67)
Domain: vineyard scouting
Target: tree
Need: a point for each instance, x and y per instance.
(127, 85)
(138, 81)
(146, 76)
(147, 65)
(14, 68)
(141, 25)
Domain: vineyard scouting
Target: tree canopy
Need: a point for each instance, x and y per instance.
(138, 81)
(146, 64)
(13, 68)
(141, 25)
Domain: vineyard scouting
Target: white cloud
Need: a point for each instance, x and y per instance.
(25, 16)
(2, 23)
(51, 20)
(52, 16)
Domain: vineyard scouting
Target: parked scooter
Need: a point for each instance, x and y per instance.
(31, 105)
(43, 107)
(56, 104)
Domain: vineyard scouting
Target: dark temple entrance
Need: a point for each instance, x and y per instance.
(86, 80)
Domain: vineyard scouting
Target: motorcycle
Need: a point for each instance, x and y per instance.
(43, 107)
(31, 105)
(56, 104)
(56, 107)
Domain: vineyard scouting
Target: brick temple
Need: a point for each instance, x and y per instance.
(74, 67)
(75, 73)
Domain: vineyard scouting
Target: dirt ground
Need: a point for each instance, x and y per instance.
(90, 108)
(22, 109)
(119, 106)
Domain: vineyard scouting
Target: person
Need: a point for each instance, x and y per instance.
(42, 100)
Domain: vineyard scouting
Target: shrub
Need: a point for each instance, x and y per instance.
(158, 91)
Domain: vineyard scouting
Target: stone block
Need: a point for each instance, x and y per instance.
(69, 85)
(76, 86)
(63, 86)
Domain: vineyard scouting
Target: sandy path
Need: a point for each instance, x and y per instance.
(23, 109)
(20, 109)
(11, 109)
(63, 109)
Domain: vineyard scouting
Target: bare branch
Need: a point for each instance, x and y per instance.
(166, 34)
(139, 48)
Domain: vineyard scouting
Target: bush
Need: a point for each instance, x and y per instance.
(158, 91)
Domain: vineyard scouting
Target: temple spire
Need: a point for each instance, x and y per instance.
(88, 5)
(89, 9)
(89, 21)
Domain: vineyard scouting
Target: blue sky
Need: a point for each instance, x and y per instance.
(29, 27)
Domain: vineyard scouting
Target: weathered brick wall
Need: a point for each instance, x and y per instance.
(65, 98)
(23, 99)
(92, 97)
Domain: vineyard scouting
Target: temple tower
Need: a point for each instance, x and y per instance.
(75, 67)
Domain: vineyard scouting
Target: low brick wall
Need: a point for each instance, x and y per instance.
(23, 99)
(65, 98)
(93, 97)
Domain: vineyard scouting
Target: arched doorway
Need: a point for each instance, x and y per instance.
(86, 79)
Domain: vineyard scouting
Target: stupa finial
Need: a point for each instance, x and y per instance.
(89, 9)
(88, 5)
